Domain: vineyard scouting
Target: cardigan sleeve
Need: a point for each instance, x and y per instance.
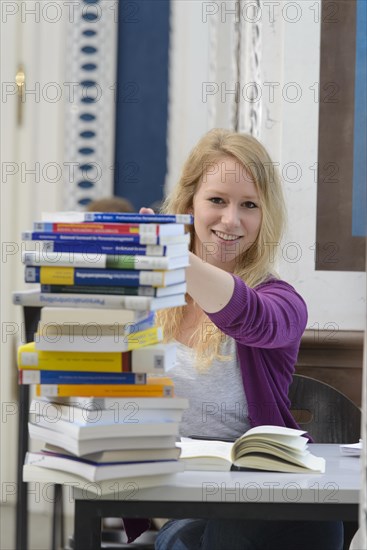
(272, 315)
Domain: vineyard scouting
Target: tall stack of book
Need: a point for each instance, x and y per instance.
(105, 405)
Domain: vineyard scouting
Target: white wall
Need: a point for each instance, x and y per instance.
(26, 189)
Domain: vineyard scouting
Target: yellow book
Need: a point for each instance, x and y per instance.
(53, 275)
(98, 343)
(155, 387)
(31, 358)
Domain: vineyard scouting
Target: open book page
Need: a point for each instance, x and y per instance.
(205, 454)
(274, 463)
(271, 448)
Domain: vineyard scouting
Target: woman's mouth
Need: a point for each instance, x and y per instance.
(226, 236)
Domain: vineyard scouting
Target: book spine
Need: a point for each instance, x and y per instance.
(79, 377)
(95, 277)
(119, 217)
(100, 228)
(31, 359)
(115, 217)
(100, 344)
(101, 248)
(142, 291)
(104, 390)
(102, 261)
(63, 259)
(142, 239)
(39, 299)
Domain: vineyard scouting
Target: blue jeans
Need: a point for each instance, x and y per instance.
(201, 534)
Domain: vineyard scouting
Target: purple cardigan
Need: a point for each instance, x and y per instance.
(267, 323)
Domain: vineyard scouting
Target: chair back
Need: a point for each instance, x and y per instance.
(324, 412)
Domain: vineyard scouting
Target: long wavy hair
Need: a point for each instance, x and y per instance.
(254, 265)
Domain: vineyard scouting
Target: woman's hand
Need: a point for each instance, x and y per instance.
(145, 210)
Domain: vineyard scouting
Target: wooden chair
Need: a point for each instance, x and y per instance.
(328, 416)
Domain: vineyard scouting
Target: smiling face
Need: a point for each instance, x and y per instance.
(227, 213)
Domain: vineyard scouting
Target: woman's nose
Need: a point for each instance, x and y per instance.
(230, 216)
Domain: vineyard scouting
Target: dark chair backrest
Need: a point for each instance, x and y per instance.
(324, 412)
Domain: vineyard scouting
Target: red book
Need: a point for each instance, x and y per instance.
(112, 228)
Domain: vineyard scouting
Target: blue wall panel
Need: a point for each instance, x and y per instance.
(360, 125)
(142, 100)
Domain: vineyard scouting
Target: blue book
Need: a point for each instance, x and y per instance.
(102, 277)
(90, 249)
(111, 239)
(116, 217)
(28, 376)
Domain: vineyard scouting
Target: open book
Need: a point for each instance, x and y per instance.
(271, 448)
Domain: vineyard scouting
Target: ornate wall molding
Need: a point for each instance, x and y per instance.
(91, 38)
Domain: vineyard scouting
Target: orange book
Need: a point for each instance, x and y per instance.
(155, 387)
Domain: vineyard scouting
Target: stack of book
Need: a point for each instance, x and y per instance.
(97, 360)
(116, 260)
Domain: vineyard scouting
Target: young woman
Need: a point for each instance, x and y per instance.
(239, 334)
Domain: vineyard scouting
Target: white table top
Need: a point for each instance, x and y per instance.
(340, 484)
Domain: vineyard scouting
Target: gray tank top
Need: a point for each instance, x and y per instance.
(218, 405)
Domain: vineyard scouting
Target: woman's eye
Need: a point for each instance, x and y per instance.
(216, 200)
(250, 204)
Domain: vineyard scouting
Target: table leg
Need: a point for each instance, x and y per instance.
(87, 526)
(21, 524)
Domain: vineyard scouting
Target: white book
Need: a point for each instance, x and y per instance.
(351, 449)
(71, 315)
(83, 447)
(101, 472)
(117, 488)
(101, 431)
(36, 298)
(156, 359)
(122, 410)
(123, 455)
(93, 341)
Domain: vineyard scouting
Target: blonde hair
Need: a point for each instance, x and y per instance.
(255, 265)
